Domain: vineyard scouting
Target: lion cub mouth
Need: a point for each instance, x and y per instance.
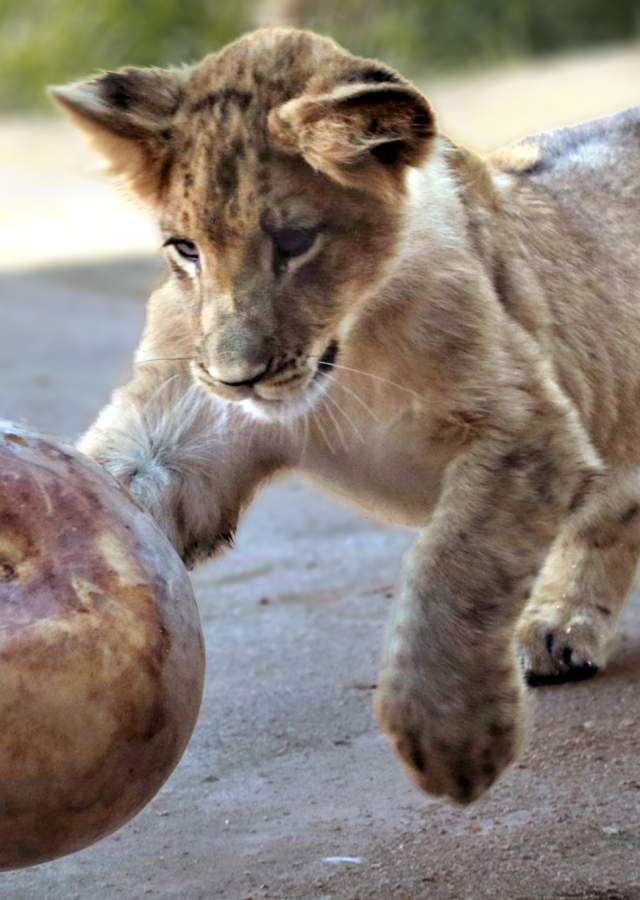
(279, 396)
(301, 388)
(297, 395)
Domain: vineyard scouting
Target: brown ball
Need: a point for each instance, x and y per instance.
(101, 652)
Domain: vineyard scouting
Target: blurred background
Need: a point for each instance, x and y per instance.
(49, 41)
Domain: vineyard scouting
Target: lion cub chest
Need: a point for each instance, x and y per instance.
(391, 470)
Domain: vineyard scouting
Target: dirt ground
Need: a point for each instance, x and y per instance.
(287, 789)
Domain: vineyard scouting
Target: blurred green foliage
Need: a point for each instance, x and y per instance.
(440, 35)
(50, 41)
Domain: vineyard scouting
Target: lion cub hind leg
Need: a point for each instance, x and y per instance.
(567, 629)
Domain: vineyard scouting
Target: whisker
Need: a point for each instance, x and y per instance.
(305, 440)
(345, 414)
(317, 421)
(394, 384)
(155, 359)
(160, 387)
(353, 394)
(289, 429)
(388, 381)
(336, 425)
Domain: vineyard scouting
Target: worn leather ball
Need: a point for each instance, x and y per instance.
(101, 652)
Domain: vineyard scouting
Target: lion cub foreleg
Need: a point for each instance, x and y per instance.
(451, 694)
(568, 626)
(191, 460)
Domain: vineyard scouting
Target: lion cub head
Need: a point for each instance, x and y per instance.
(276, 171)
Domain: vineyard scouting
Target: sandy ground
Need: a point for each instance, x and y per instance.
(287, 789)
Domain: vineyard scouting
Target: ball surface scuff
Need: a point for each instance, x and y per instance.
(101, 652)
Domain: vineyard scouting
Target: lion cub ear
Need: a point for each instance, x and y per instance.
(127, 116)
(362, 132)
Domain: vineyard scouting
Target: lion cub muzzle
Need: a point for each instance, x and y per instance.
(286, 378)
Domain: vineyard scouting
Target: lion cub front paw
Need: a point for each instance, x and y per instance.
(559, 644)
(454, 746)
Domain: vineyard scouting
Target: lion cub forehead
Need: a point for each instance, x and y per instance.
(263, 69)
(222, 174)
(210, 135)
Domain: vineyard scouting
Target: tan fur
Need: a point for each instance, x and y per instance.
(485, 389)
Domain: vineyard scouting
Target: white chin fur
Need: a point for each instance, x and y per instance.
(288, 410)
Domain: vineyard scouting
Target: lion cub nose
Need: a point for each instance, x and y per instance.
(238, 356)
(239, 376)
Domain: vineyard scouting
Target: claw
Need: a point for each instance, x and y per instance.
(582, 672)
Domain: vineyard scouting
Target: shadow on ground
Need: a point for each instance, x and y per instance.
(67, 334)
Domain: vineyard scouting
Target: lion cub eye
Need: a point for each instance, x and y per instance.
(290, 242)
(186, 249)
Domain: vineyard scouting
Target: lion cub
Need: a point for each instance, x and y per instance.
(451, 342)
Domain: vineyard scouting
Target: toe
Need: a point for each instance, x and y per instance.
(579, 672)
(553, 651)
